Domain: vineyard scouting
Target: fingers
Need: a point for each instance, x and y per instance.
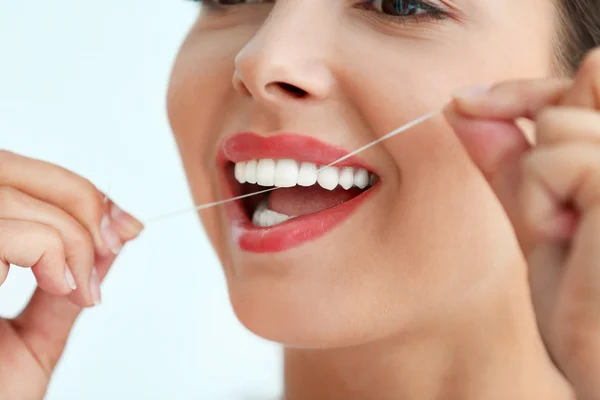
(563, 111)
(47, 320)
(557, 125)
(76, 241)
(122, 225)
(527, 98)
(496, 148)
(37, 246)
(62, 227)
(76, 196)
(555, 176)
(512, 100)
(491, 143)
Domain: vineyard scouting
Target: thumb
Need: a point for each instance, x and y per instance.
(496, 147)
(46, 322)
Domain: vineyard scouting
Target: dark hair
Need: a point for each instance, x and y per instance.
(579, 33)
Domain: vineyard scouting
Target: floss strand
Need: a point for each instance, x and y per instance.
(393, 133)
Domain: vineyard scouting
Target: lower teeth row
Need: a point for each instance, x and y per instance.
(264, 217)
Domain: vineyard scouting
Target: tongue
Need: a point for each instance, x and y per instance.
(298, 200)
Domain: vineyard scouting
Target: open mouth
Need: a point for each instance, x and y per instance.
(302, 188)
(303, 200)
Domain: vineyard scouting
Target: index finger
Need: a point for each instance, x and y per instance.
(64, 189)
(512, 100)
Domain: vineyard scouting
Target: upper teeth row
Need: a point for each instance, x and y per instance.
(289, 173)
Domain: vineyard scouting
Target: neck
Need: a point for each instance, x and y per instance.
(490, 349)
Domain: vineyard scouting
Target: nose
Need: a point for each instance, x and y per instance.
(287, 60)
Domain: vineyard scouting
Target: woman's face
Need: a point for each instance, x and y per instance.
(309, 80)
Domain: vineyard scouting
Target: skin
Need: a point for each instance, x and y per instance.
(511, 286)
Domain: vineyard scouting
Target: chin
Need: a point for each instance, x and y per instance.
(290, 318)
(283, 257)
(310, 297)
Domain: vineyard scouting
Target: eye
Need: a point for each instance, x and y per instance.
(404, 8)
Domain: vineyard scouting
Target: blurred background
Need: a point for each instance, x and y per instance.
(82, 85)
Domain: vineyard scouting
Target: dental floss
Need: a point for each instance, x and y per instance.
(395, 132)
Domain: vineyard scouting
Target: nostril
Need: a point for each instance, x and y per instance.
(292, 90)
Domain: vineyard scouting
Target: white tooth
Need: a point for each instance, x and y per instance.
(265, 172)
(240, 172)
(328, 178)
(263, 220)
(286, 173)
(307, 175)
(272, 218)
(347, 177)
(264, 217)
(279, 218)
(251, 171)
(260, 209)
(256, 217)
(361, 178)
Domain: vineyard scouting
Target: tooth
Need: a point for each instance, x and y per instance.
(265, 172)
(240, 172)
(361, 178)
(256, 217)
(307, 175)
(251, 171)
(262, 206)
(264, 217)
(286, 173)
(279, 218)
(328, 178)
(373, 180)
(271, 218)
(274, 218)
(347, 177)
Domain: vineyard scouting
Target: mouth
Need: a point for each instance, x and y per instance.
(307, 199)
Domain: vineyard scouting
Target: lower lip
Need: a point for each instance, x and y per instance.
(291, 233)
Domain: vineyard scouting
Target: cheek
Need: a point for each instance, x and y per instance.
(200, 84)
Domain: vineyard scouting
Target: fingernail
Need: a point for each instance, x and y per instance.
(126, 221)
(69, 278)
(110, 236)
(473, 92)
(95, 287)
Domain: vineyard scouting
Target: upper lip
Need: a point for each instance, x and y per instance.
(246, 146)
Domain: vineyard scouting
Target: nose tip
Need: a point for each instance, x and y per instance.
(276, 76)
(278, 90)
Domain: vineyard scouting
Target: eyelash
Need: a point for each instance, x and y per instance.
(430, 11)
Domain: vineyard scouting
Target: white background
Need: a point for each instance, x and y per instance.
(82, 84)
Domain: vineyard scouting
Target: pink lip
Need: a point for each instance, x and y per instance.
(248, 146)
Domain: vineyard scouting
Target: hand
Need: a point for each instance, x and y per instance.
(551, 193)
(63, 228)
